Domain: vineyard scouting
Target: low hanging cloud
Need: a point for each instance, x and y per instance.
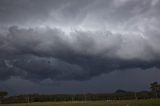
(38, 54)
(77, 40)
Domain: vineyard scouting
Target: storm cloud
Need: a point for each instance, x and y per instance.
(77, 40)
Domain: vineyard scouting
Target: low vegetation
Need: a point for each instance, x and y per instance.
(150, 102)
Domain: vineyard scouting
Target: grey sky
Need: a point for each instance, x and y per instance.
(78, 40)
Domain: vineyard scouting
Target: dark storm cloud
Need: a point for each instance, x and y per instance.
(77, 40)
(38, 54)
(104, 83)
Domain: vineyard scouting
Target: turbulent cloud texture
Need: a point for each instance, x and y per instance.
(77, 40)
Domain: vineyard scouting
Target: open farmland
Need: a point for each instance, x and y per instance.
(151, 102)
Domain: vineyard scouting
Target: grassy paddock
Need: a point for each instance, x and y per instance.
(153, 102)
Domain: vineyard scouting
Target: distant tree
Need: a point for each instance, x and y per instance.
(155, 87)
(2, 95)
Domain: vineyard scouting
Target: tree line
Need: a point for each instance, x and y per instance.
(117, 95)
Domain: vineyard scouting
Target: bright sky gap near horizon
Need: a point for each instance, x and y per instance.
(76, 46)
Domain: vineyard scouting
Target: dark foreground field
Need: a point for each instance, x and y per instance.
(153, 102)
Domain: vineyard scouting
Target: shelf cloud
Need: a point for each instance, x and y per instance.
(77, 39)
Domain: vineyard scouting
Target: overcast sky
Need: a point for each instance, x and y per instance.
(76, 46)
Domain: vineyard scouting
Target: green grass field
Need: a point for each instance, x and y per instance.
(154, 102)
